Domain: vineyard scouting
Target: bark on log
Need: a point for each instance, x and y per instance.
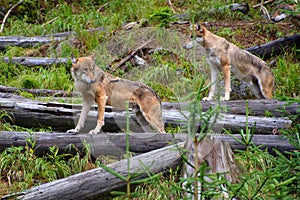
(260, 107)
(38, 92)
(275, 47)
(62, 117)
(23, 41)
(96, 183)
(34, 61)
(114, 144)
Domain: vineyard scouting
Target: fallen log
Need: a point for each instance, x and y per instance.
(38, 92)
(97, 183)
(62, 117)
(275, 47)
(114, 144)
(260, 107)
(22, 41)
(34, 61)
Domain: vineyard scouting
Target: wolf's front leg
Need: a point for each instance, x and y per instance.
(214, 73)
(101, 101)
(227, 83)
(83, 115)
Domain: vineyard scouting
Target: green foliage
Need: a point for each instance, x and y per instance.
(163, 92)
(287, 77)
(56, 77)
(162, 16)
(22, 168)
(266, 176)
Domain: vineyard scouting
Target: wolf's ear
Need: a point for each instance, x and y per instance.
(198, 26)
(203, 29)
(194, 27)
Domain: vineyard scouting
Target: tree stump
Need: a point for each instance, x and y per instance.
(219, 158)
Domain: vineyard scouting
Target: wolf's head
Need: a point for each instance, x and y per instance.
(197, 33)
(83, 70)
(197, 30)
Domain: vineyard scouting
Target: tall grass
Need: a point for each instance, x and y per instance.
(287, 77)
(55, 77)
(21, 168)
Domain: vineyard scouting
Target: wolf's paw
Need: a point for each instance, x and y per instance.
(73, 131)
(93, 132)
(207, 99)
(224, 98)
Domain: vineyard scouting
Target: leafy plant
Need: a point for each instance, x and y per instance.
(162, 16)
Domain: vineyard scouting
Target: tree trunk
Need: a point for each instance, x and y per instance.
(62, 117)
(259, 107)
(114, 144)
(96, 183)
(34, 61)
(218, 157)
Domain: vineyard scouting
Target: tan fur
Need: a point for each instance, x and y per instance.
(225, 56)
(105, 89)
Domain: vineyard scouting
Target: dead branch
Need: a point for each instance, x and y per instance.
(7, 14)
(135, 51)
(171, 6)
(102, 7)
(50, 21)
(263, 3)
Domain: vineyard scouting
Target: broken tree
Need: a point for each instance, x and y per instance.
(217, 156)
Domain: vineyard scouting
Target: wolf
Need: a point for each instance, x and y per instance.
(224, 56)
(105, 89)
(287, 11)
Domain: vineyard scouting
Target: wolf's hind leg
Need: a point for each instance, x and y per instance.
(143, 122)
(256, 89)
(153, 116)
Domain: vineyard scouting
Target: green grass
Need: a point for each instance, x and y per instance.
(287, 77)
(267, 176)
(21, 169)
(54, 77)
